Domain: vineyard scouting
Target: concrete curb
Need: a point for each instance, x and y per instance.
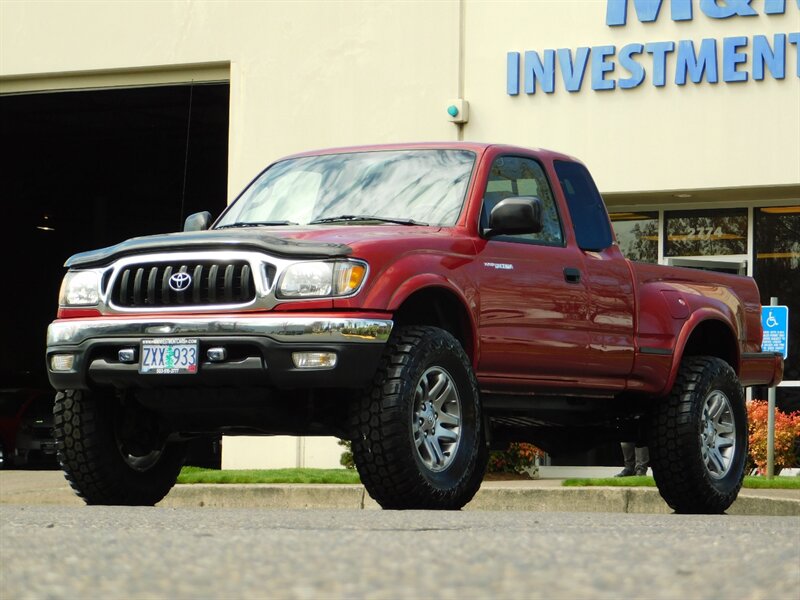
(536, 496)
(552, 499)
(271, 496)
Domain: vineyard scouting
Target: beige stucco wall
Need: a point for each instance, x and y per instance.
(280, 452)
(316, 74)
(303, 74)
(646, 138)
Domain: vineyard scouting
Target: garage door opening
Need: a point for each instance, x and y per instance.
(83, 170)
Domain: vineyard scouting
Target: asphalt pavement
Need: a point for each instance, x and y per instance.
(122, 552)
(539, 495)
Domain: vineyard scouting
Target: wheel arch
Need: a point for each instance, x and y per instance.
(707, 333)
(439, 306)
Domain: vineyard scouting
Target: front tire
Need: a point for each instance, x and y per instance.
(418, 440)
(699, 438)
(102, 458)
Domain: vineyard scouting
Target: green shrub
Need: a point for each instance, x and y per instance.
(346, 460)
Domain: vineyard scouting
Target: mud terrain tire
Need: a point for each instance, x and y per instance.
(699, 438)
(97, 465)
(418, 439)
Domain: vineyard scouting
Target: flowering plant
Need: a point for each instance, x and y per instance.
(787, 436)
(518, 458)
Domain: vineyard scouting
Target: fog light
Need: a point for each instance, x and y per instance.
(314, 360)
(217, 354)
(62, 362)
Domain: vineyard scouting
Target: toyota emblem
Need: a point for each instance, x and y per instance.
(180, 281)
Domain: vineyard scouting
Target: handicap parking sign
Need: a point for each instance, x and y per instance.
(775, 323)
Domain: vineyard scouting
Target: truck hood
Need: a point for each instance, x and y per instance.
(313, 242)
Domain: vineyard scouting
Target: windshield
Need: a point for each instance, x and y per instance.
(411, 186)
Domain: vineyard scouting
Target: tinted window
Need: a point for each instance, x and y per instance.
(516, 176)
(585, 206)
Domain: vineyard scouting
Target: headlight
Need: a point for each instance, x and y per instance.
(321, 279)
(79, 288)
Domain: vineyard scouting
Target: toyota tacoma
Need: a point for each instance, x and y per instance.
(428, 302)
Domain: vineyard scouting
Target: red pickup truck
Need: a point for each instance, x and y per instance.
(428, 302)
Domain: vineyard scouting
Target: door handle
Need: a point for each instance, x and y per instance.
(572, 275)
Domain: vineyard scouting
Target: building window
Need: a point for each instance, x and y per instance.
(705, 232)
(637, 235)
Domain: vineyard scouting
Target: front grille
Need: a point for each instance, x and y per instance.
(212, 282)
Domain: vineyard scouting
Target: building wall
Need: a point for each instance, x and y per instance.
(645, 138)
(317, 74)
(280, 452)
(328, 73)
(303, 74)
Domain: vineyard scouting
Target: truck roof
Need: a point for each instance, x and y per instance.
(477, 147)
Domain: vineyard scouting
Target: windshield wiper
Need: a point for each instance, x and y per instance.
(351, 218)
(256, 224)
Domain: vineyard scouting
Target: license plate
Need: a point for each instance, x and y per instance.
(169, 356)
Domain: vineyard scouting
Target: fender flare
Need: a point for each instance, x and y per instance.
(695, 320)
(430, 281)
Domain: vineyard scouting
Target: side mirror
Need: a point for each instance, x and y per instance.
(515, 215)
(197, 221)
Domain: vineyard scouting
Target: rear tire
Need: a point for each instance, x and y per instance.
(418, 440)
(103, 464)
(699, 438)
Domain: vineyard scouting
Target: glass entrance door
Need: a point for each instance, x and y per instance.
(777, 272)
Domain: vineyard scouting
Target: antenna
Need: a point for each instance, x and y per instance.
(186, 156)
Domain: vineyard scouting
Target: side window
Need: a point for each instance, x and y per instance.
(586, 206)
(517, 176)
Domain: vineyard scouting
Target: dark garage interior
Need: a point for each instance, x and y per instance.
(83, 170)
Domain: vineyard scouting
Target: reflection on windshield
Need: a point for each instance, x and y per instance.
(427, 186)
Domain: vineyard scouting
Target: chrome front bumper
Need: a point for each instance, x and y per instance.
(260, 351)
(280, 329)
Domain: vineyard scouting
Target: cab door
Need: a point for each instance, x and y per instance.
(608, 279)
(533, 308)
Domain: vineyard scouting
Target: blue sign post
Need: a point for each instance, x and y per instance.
(775, 323)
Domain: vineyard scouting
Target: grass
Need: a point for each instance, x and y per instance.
(334, 476)
(345, 476)
(776, 483)
(611, 482)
